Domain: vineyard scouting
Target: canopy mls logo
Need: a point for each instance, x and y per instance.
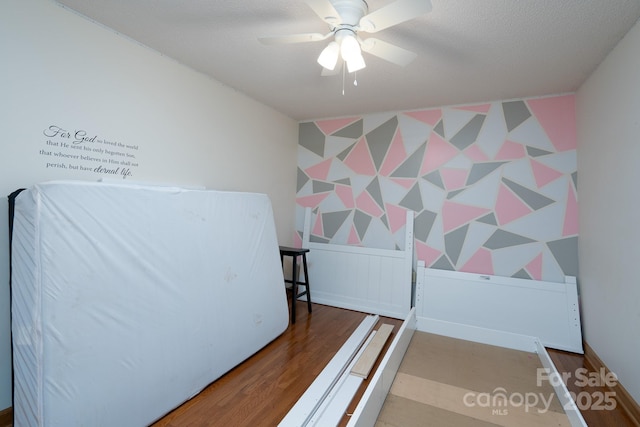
(500, 401)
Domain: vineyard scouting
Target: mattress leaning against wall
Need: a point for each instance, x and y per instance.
(128, 300)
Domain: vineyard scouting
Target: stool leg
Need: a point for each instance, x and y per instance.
(306, 279)
(294, 288)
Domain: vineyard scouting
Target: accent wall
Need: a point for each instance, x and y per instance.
(493, 186)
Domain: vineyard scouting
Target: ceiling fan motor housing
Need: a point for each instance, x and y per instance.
(350, 11)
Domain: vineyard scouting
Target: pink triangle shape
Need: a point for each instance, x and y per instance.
(365, 203)
(430, 117)
(509, 207)
(353, 237)
(345, 193)
(320, 171)
(396, 155)
(510, 150)
(481, 263)
(557, 116)
(570, 227)
(359, 159)
(311, 201)
(330, 126)
(455, 214)
(397, 217)
(426, 253)
(453, 178)
(543, 174)
(535, 267)
(438, 152)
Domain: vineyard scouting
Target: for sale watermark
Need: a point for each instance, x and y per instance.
(598, 398)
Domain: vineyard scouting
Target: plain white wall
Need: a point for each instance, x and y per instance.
(61, 69)
(608, 122)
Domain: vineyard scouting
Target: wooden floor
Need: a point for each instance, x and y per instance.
(260, 391)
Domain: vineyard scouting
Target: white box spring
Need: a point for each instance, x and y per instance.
(127, 300)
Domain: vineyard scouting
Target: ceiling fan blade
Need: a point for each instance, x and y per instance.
(325, 10)
(294, 38)
(394, 13)
(388, 51)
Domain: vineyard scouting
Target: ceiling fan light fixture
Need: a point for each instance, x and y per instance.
(349, 47)
(329, 56)
(355, 63)
(351, 53)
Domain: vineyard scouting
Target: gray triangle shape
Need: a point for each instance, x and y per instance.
(574, 177)
(374, 191)
(489, 218)
(536, 152)
(453, 242)
(343, 155)
(469, 133)
(565, 251)
(435, 178)
(410, 168)
(332, 221)
(413, 199)
(521, 274)
(311, 138)
(439, 129)
(302, 179)
(480, 170)
(422, 225)
(383, 218)
(322, 187)
(354, 130)
(515, 112)
(442, 264)
(504, 239)
(361, 221)
(534, 200)
(380, 139)
(317, 239)
(452, 194)
(344, 181)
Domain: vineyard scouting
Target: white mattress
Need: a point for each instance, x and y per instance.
(127, 300)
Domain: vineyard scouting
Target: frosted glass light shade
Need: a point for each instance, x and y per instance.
(350, 48)
(355, 63)
(329, 56)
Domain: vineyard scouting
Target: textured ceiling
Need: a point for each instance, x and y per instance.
(468, 50)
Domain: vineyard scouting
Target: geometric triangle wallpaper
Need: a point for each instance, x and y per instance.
(493, 186)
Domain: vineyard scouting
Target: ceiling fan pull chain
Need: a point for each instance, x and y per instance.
(343, 75)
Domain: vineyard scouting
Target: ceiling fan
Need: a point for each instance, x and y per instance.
(346, 20)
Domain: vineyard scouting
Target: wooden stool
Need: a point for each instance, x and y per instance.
(295, 282)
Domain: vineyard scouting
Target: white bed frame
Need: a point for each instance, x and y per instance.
(510, 310)
(364, 279)
(495, 312)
